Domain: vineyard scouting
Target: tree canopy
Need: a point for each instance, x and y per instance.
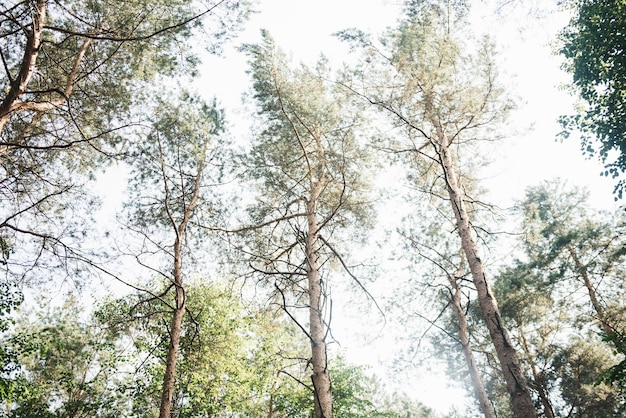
(260, 257)
(594, 46)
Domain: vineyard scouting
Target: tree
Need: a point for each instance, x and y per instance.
(578, 367)
(574, 244)
(534, 319)
(10, 299)
(233, 358)
(444, 100)
(563, 292)
(176, 158)
(444, 285)
(81, 59)
(75, 78)
(308, 164)
(593, 45)
(68, 367)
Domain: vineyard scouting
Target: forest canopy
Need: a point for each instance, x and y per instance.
(330, 247)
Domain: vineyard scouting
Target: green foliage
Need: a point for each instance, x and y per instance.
(183, 148)
(230, 359)
(559, 228)
(545, 297)
(594, 46)
(10, 300)
(427, 9)
(430, 73)
(312, 132)
(616, 374)
(5, 251)
(578, 367)
(67, 368)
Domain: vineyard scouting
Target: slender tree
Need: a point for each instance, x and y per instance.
(429, 242)
(464, 338)
(444, 99)
(309, 168)
(172, 169)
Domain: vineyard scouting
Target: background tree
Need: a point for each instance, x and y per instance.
(438, 295)
(577, 246)
(10, 299)
(69, 366)
(309, 170)
(594, 45)
(564, 291)
(230, 357)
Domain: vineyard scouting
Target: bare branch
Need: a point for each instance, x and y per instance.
(349, 271)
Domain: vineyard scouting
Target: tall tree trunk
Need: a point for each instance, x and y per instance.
(169, 378)
(321, 377)
(581, 269)
(539, 381)
(509, 363)
(27, 67)
(176, 325)
(477, 383)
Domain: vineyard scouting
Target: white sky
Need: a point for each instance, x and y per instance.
(305, 28)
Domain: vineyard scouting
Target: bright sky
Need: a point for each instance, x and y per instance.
(305, 28)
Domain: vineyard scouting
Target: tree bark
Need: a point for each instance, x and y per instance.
(477, 383)
(517, 387)
(169, 378)
(539, 381)
(581, 269)
(27, 67)
(321, 377)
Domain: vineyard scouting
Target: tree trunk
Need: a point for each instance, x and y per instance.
(27, 67)
(477, 383)
(516, 383)
(169, 378)
(582, 271)
(270, 413)
(321, 377)
(539, 381)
